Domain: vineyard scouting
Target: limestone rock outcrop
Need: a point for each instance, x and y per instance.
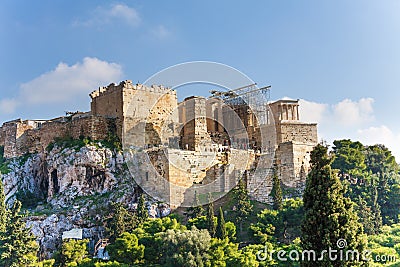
(71, 187)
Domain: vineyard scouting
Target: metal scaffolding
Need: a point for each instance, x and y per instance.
(250, 95)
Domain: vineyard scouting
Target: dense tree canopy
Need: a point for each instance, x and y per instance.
(370, 172)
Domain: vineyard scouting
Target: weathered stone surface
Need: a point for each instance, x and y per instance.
(75, 185)
(198, 142)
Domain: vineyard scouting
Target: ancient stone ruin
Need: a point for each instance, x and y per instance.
(199, 141)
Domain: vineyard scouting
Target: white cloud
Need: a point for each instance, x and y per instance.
(128, 14)
(351, 120)
(107, 15)
(65, 82)
(312, 111)
(161, 32)
(8, 105)
(63, 85)
(381, 135)
(349, 112)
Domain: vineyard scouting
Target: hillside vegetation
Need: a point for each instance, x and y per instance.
(351, 202)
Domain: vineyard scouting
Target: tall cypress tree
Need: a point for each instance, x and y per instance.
(221, 229)
(243, 205)
(211, 227)
(276, 191)
(117, 223)
(142, 212)
(329, 216)
(18, 246)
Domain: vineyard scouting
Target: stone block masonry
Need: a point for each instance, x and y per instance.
(191, 143)
(21, 137)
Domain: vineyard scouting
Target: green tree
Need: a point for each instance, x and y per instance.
(381, 163)
(376, 211)
(109, 264)
(196, 210)
(276, 191)
(349, 157)
(329, 216)
(142, 212)
(243, 205)
(370, 171)
(366, 216)
(264, 229)
(148, 233)
(283, 226)
(211, 225)
(244, 258)
(184, 248)
(230, 231)
(370, 217)
(290, 220)
(223, 253)
(126, 249)
(73, 252)
(221, 228)
(119, 221)
(18, 245)
(200, 222)
(46, 263)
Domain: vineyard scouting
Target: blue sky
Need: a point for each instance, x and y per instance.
(342, 58)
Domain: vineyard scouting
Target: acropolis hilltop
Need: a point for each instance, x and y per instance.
(179, 136)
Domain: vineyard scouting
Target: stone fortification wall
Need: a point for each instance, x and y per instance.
(297, 132)
(2, 136)
(293, 162)
(108, 101)
(259, 181)
(21, 137)
(139, 110)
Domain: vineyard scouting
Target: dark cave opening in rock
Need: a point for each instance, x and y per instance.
(44, 187)
(95, 178)
(54, 178)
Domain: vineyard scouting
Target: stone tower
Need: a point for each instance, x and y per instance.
(295, 140)
(195, 135)
(140, 111)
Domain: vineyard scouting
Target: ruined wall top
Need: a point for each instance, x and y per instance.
(128, 85)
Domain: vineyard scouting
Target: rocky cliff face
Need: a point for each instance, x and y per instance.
(71, 187)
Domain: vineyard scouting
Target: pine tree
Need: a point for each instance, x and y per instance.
(329, 216)
(126, 249)
(221, 229)
(211, 227)
(142, 212)
(73, 252)
(276, 191)
(18, 246)
(3, 208)
(243, 205)
(196, 210)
